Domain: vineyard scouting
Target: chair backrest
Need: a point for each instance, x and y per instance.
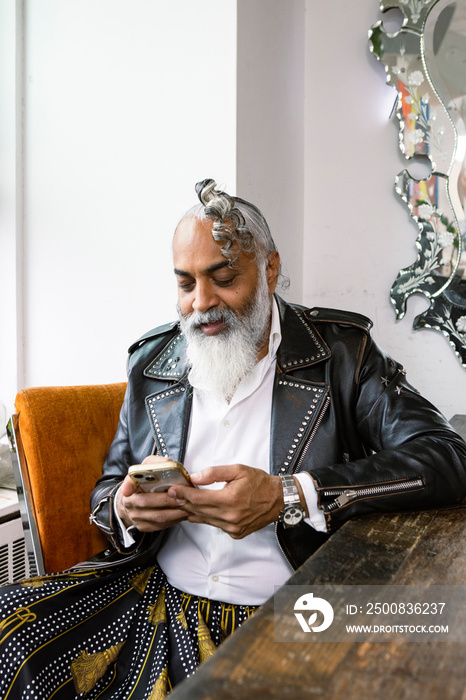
(62, 436)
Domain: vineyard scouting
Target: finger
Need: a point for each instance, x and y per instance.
(158, 500)
(161, 520)
(212, 475)
(158, 516)
(203, 498)
(139, 508)
(180, 494)
(128, 487)
(155, 459)
(235, 530)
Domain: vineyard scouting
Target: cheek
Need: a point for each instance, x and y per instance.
(184, 303)
(232, 300)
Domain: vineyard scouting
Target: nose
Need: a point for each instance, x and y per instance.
(204, 296)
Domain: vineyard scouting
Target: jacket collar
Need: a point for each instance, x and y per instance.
(301, 347)
(301, 344)
(170, 364)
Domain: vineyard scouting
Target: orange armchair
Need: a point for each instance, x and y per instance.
(60, 438)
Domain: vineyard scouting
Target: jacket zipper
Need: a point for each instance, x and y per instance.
(311, 436)
(298, 464)
(345, 494)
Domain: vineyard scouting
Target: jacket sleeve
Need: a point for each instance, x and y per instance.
(121, 455)
(414, 460)
(133, 441)
(114, 470)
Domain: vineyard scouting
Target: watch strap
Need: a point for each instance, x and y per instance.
(293, 512)
(290, 490)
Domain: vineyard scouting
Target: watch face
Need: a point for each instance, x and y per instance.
(292, 516)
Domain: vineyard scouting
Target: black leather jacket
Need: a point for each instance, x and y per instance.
(342, 411)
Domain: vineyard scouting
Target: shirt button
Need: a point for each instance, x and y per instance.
(226, 423)
(214, 578)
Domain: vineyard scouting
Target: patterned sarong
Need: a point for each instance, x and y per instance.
(107, 634)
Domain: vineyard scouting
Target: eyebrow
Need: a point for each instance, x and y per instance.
(212, 268)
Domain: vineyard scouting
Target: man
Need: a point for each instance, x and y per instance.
(289, 421)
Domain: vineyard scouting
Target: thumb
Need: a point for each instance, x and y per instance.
(211, 475)
(128, 487)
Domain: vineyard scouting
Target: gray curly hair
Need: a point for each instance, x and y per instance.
(235, 221)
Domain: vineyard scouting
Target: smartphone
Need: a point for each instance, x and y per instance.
(159, 477)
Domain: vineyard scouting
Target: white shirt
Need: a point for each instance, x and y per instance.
(204, 560)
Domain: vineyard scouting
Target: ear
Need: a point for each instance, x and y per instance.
(272, 270)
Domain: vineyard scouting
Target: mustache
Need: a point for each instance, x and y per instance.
(196, 319)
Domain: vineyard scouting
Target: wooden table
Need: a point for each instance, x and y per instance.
(421, 548)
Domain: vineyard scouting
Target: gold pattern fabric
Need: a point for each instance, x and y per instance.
(181, 619)
(106, 634)
(206, 644)
(13, 622)
(228, 619)
(157, 612)
(87, 669)
(139, 582)
(161, 687)
(34, 582)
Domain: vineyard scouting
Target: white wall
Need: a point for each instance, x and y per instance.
(122, 117)
(10, 206)
(270, 122)
(127, 103)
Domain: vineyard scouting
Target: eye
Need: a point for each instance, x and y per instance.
(185, 286)
(225, 283)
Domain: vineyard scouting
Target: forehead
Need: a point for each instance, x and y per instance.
(194, 247)
(193, 236)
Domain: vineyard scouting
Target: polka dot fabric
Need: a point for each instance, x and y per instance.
(107, 634)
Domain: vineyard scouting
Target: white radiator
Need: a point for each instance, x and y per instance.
(14, 563)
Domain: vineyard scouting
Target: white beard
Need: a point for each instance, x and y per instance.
(218, 363)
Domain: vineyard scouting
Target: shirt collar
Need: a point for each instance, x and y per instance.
(275, 337)
(250, 383)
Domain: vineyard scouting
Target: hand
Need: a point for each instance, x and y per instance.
(148, 512)
(249, 500)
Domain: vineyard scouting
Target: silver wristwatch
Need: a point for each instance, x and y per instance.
(293, 512)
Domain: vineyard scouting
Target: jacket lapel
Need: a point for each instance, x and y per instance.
(298, 403)
(169, 407)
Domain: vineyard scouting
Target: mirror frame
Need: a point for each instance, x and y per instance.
(429, 130)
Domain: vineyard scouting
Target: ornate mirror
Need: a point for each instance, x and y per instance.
(425, 61)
